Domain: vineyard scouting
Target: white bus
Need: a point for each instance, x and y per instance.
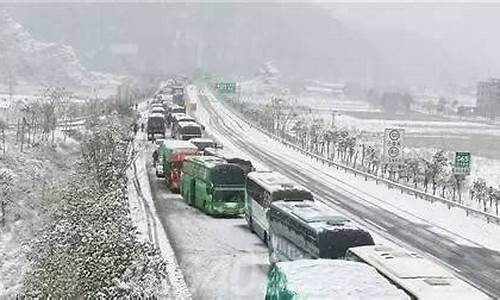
(264, 187)
(329, 279)
(307, 229)
(419, 277)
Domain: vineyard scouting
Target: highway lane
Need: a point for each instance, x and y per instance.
(477, 265)
(220, 258)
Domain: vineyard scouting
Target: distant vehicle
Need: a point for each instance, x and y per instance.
(213, 185)
(158, 110)
(203, 143)
(419, 277)
(218, 151)
(173, 109)
(178, 95)
(307, 229)
(172, 155)
(176, 118)
(188, 130)
(328, 279)
(263, 188)
(155, 125)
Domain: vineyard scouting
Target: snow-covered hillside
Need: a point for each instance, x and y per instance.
(29, 61)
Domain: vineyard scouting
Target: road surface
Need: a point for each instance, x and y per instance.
(220, 258)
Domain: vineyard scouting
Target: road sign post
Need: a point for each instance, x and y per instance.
(461, 164)
(226, 87)
(393, 146)
(461, 168)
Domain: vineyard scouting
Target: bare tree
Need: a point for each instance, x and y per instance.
(3, 126)
(6, 185)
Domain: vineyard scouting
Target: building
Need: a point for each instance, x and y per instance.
(488, 98)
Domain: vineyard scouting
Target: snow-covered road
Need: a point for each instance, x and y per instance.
(220, 258)
(472, 256)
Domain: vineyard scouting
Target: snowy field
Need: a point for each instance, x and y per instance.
(423, 133)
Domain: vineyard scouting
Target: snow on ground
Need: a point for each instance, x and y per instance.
(413, 126)
(220, 257)
(35, 171)
(145, 217)
(466, 230)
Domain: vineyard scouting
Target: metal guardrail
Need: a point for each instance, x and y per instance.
(409, 190)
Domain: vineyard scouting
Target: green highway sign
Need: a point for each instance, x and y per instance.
(462, 163)
(226, 87)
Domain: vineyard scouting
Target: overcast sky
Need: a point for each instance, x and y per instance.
(384, 44)
(468, 31)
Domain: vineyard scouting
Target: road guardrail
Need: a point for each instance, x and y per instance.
(390, 184)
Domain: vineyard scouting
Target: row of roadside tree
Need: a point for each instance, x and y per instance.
(429, 172)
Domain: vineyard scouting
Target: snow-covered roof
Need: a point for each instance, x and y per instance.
(157, 110)
(337, 279)
(315, 214)
(209, 161)
(202, 140)
(182, 117)
(156, 114)
(273, 181)
(179, 144)
(183, 124)
(417, 275)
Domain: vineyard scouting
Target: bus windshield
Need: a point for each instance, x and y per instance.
(229, 196)
(227, 174)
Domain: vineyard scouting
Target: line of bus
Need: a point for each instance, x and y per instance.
(213, 185)
(264, 187)
(419, 277)
(307, 229)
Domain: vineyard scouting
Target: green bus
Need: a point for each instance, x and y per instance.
(213, 185)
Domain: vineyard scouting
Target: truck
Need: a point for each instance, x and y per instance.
(172, 155)
(155, 125)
